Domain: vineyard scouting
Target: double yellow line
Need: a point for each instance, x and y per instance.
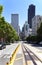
(13, 56)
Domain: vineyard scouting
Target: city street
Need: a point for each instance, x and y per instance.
(20, 32)
(26, 54)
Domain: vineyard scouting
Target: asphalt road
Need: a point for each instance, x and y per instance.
(39, 46)
(30, 57)
(19, 57)
(5, 54)
(22, 56)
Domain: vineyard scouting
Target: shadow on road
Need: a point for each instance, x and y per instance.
(37, 45)
(33, 44)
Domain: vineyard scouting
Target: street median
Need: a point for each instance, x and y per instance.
(13, 56)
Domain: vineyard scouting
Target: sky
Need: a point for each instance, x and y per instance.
(20, 7)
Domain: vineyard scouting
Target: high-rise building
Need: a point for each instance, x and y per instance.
(36, 21)
(25, 29)
(15, 22)
(31, 14)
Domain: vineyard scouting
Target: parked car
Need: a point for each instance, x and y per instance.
(2, 46)
(40, 42)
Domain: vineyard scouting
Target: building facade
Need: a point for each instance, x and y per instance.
(15, 22)
(25, 29)
(36, 21)
(31, 14)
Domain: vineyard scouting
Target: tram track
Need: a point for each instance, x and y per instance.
(30, 55)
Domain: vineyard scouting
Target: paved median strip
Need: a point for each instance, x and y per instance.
(13, 56)
(19, 58)
(24, 61)
(29, 62)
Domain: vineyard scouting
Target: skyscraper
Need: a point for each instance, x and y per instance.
(15, 22)
(31, 14)
(36, 21)
(25, 29)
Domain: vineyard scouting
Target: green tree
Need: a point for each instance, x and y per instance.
(7, 32)
(39, 33)
(2, 25)
(1, 10)
(32, 38)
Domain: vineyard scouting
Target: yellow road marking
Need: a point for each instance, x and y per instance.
(14, 56)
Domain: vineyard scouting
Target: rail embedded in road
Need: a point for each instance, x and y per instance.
(30, 57)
